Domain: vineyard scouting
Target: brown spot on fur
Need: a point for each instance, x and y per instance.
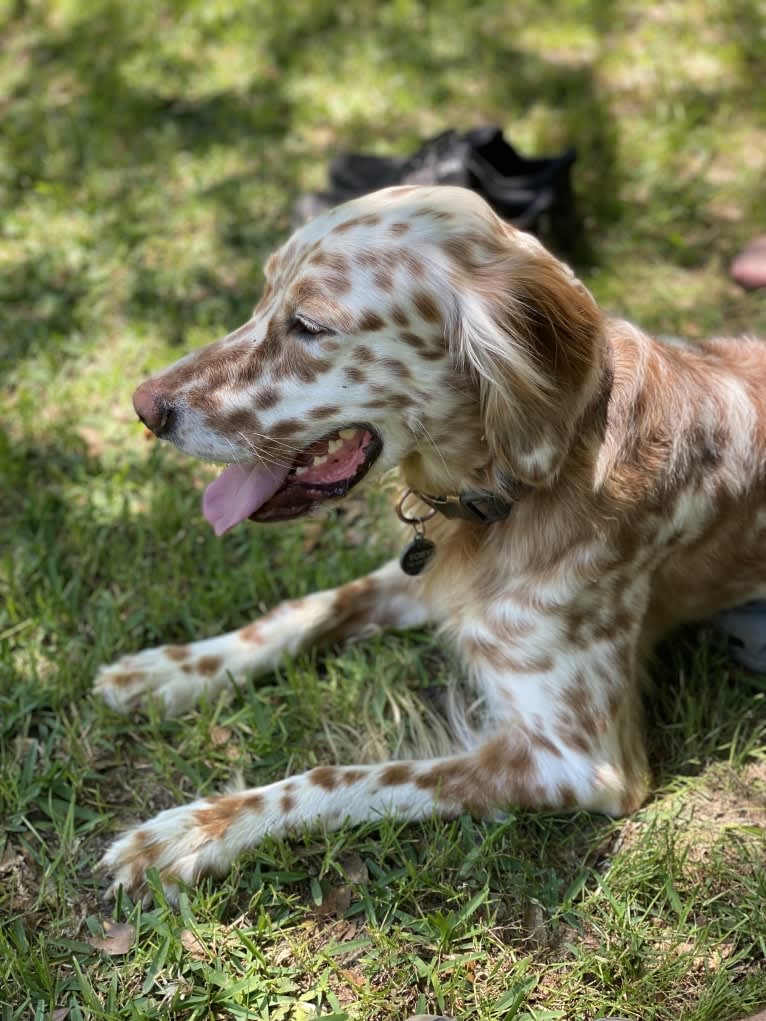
(460, 249)
(269, 348)
(399, 316)
(234, 423)
(383, 279)
(324, 411)
(214, 820)
(398, 368)
(267, 397)
(337, 284)
(209, 665)
(370, 260)
(333, 261)
(498, 773)
(370, 322)
(368, 220)
(287, 803)
(358, 604)
(147, 847)
(287, 427)
(251, 633)
(177, 652)
(355, 374)
(399, 401)
(397, 229)
(499, 656)
(426, 306)
(395, 775)
(576, 698)
(574, 738)
(350, 776)
(566, 796)
(364, 353)
(299, 363)
(541, 741)
(412, 264)
(614, 625)
(578, 627)
(305, 289)
(412, 339)
(325, 777)
(187, 668)
(613, 704)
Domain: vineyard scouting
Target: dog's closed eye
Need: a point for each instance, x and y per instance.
(303, 326)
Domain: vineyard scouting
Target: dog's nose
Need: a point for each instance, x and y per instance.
(153, 407)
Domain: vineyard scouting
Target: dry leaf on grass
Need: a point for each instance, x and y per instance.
(354, 868)
(118, 938)
(533, 921)
(220, 735)
(193, 945)
(9, 858)
(335, 901)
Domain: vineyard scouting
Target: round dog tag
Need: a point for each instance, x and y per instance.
(416, 555)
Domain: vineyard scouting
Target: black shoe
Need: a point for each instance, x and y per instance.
(745, 627)
(520, 190)
(440, 160)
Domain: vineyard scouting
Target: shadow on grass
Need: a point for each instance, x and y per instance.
(100, 108)
(89, 137)
(117, 560)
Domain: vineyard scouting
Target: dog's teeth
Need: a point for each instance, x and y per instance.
(302, 470)
(334, 445)
(320, 460)
(347, 434)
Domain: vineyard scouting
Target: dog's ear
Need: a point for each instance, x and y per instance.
(533, 337)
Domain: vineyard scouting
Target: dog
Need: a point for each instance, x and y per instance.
(575, 490)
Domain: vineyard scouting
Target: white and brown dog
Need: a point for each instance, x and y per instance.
(593, 488)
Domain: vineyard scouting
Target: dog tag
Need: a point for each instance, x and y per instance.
(416, 555)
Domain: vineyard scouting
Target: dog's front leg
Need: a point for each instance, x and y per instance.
(204, 837)
(178, 675)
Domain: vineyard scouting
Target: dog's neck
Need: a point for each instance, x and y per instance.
(457, 462)
(453, 463)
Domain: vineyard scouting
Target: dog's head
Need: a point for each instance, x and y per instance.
(411, 326)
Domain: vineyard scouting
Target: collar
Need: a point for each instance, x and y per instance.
(479, 506)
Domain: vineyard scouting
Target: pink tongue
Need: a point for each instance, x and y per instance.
(238, 492)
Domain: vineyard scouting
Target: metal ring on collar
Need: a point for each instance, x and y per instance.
(407, 518)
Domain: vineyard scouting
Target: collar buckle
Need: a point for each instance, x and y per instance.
(482, 507)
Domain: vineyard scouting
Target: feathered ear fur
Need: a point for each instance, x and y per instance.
(533, 337)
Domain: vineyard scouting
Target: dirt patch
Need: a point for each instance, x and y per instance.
(728, 800)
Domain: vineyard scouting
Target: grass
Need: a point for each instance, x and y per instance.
(148, 159)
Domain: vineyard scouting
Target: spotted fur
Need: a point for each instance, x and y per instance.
(483, 363)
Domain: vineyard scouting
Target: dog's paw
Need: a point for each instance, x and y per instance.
(183, 844)
(171, 674)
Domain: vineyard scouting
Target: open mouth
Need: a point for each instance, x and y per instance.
(325, 470)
